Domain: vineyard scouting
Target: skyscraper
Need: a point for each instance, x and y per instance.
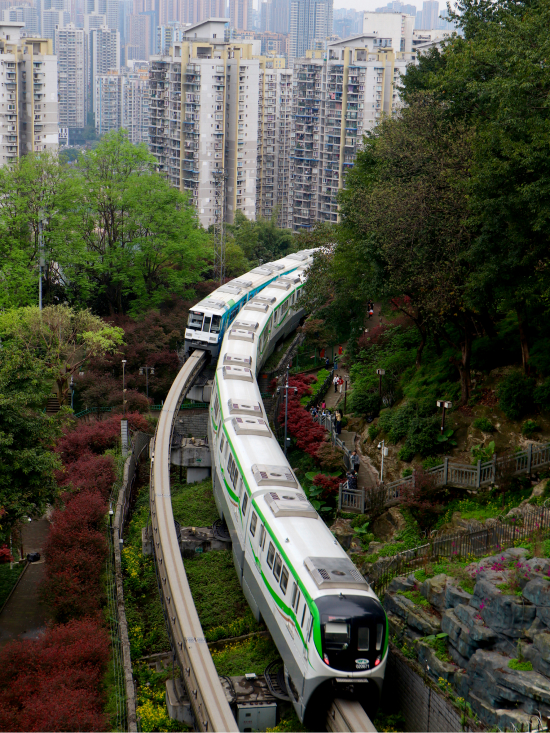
(310, 26)
(70, 43)
(279, 11)
(430, 14)
(104, 47)
(240, 12)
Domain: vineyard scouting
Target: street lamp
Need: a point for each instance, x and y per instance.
(147, 370)
(446, 406)
(72, 391)
(124, 422)
(380, 373)
(286, 388)
(382, 447)
(124, 388)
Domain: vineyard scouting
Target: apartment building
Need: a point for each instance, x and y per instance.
(397, 27)
(204, 120)
(338, 96)
(104, 51)
(23, 14)
(71, 76)
(28, 106)
(310, 26)
(135, 103)
(108, 105)
(274, 130)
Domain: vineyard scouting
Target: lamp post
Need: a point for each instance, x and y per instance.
(72, 391)
(380, 373)
(147, 370)
(286, 388)
(446, 406)
(382, 447)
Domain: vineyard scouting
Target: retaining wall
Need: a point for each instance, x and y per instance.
(192, 423)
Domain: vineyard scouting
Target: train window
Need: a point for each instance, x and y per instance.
(295, 598)
(222, 444)
(195, 321)
(206, 324)
(379, 636)
(216, 324)
(309, 628)
(363, 639)
(270, 555)
(294, 594)
(216, 407)
(303, 616)
(277, 567)
(245, 503)
(262, 536)
(336, 635)
(284, 580)
(253, 524)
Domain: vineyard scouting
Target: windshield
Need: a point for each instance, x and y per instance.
(195, 320)
(216, 324)
(336, 635)
(206, 325)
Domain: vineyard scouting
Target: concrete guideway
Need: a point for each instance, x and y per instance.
(206, 695)
(348, 715)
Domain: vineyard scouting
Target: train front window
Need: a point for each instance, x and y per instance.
(195, 320)
(206, 325)
(336, 635)
(363, 638)
(216, 324)
(379, 636)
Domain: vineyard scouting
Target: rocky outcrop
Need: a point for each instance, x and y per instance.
(506, 617)
(388, 524)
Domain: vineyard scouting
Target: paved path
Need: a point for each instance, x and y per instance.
(24, 615)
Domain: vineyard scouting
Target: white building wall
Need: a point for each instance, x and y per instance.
(397, 26)
(71, 76)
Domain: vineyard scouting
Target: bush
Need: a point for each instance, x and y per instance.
(95, 436)
(56, 682)
(330, 458)
(373, 431)
(88, 473)
(516, 394)
(483, 424)
(529, 427)
(406, 453)
(541, 395)
(365, 403)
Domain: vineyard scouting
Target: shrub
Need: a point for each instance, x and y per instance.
(520, 666)
(365, 403)
(329, 484)
(89, 472)
(541, 395)
(373, 431)
(406, 453)
(406, 472)
(431, 462)
(529, 427)
(483, 424)
(95, 436)
(516, 395)
(330, 458)
(55, 682)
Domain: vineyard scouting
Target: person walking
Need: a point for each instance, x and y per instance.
(327, 362)
(355, 461)
(335, 382)
(338, 422)
(340, 383)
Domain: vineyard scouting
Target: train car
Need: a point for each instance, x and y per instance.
(209, 320)
(327, 623)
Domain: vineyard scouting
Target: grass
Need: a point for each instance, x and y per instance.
(321, 375)
(454, 568)
(440, 648)
(279, 352)
(389, 722)
(289, 723)
(415, 596)
(8, 578)
(508, 589)
(520, 666)
(151, 700)
(244, 657)
(193, 504)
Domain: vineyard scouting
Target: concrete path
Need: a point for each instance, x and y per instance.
(24, 615)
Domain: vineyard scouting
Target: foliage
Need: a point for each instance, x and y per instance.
(314, 386)
(483, 424)
(60, 337)
(27, 463)
(446, 437)
(8, 578)
(95, 436)
(329, 457)
(151, 700)
(415, 596)
(260, 240)
(55, 682)
(541, 395)
(515, 394)
(309, 434)
(252, 654)
(373, 432)
(529, 428)
(482, 452)
(413, 422)
(520, 666)
(420, 498)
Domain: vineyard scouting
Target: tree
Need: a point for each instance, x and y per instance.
(261, 240)
(60, 337)
(27, 435)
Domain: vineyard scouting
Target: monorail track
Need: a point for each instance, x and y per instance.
(348, 715)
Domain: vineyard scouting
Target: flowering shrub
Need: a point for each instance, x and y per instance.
(89, 473)
(5, 554)
(55, 683)
(329, 484)
(95, 436)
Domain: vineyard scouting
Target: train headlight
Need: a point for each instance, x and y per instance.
(325, 659)
(377, 662)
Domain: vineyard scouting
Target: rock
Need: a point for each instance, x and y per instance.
(343, 532)
(374, 547)
(479, 634)
(414, 616)
(433, 589)
(536, 627)
(434, 666)
(397, 519)
(465, 640)
(542, 644)
(538, 592)
(503, 613)
(455, 595)
(389, 524)
(401, 583)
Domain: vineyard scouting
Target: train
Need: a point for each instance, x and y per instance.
(327, 623)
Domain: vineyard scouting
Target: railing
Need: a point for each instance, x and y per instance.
(152, 408)
(501, 534)
(328, 421)
(460, 474)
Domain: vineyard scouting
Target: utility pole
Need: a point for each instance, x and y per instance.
(380, 373)
(124, 421)
(219, 226)
(286, 388)
(41, 262)
(147, 370)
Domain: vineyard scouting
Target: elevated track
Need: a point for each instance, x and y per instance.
(348, 715)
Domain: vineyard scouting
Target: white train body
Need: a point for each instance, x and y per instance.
(328, 625)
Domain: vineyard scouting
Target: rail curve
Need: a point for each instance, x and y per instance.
(210, 707)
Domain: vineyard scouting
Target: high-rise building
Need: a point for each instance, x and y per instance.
(167, 35)
(52, 19)
(140, 34)
(396, 6)
(204, 112)
(396, 26)
(311, 24)
(104, 46)
(338, 96)
(108, 107)
(23, 14)
(279, 14)
(240, 12)
(274, 129)
(430, 15)
(94, 20)
(71, 76)
(28, 106)
(135, 103)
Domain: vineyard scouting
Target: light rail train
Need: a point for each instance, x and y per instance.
(327, 623)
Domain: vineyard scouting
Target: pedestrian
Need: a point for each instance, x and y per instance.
(335, 381)
(355, 461)
(335, 365)
(352, 480)
(323, 406)
(327, 362)
(340, 383)
(338, 423)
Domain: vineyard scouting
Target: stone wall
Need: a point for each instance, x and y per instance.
(420, 701)
(192, 423)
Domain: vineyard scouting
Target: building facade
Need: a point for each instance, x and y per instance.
(28, 106)
(311, 23)
(338, 96)
(71, 76)
(398, 27)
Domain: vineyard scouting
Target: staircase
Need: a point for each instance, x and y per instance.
(52, 405)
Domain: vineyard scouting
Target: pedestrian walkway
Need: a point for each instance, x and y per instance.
(332, 398)
(24, 615)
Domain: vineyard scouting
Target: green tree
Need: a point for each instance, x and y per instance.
(60, 337)
(27, 461)
(261, 240)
